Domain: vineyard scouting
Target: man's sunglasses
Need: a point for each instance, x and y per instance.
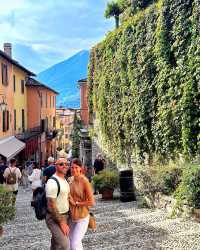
(62, 164)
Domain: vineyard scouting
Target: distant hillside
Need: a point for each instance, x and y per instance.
(63, 78)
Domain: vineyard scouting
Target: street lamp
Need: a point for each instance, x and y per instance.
(3, 104)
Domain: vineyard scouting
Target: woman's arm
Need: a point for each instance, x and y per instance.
(90, 201)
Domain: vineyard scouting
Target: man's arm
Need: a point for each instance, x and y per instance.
(52, 207)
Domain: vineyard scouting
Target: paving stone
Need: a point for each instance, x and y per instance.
(120, 226)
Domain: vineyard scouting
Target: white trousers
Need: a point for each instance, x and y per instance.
(77, 232)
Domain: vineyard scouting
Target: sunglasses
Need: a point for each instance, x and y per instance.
(62, 164)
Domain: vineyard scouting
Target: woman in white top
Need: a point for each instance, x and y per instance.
(35, 177)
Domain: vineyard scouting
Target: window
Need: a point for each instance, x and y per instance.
(4, 70)
(22, 86)
(23, 121)
(43, 125)
(47, 123)
(14, 83)
(46, 100)
(50, 101)
(54, 121)
(15, 120)
(5, 120)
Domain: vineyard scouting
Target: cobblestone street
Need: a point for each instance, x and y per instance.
(121, 226)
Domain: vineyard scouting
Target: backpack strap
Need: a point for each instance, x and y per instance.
(12, 171)
(58, 184)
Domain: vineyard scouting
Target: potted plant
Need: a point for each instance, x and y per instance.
(106, 181)
(7, 207)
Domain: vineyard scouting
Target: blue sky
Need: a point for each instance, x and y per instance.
(45, 32)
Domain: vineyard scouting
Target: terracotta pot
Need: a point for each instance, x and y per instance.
(196, 214)
(107, 193)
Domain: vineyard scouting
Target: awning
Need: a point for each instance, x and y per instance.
(10, 147)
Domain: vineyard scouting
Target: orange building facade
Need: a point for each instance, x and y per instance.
(27, 113)
(84, 101)
(43, 99)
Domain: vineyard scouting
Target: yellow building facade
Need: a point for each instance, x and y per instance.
(20, 100)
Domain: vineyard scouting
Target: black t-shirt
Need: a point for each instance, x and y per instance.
(49, 171)
(2, 169)
(98, 165)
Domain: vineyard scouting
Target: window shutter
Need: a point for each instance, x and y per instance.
(15, 127)
(7, 117)
(2, 72)
(4, 120)
(6, 69)
(22, 86)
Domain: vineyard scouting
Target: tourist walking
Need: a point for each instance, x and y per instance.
(12, 177)
(57, 193)
(29, 167)
(24, 179)
(2, 169)
(35, 177)
(50, 170)
(99, 165)
(81, 197)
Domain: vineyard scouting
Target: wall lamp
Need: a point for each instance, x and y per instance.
(3, 104)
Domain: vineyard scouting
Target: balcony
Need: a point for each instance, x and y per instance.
(29, 133)
(51, 134)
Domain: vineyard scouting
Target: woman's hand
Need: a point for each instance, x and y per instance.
(72, 201)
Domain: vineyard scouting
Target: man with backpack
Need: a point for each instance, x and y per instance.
(57, 194)
(12, 176)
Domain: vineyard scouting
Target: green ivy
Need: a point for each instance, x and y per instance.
(75, 136)
(144, 82)
(188, 192)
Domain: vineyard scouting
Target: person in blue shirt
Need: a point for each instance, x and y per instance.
(50, 170)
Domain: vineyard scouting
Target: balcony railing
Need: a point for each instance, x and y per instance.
(29, 133)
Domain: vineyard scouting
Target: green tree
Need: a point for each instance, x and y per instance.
(76, 136)
(114, 9)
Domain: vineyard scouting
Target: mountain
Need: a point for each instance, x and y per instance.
(63, 78)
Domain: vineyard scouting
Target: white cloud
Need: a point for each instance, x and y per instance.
(12, 5)
(62, 27)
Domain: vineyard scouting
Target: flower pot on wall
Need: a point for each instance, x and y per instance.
(107, 193)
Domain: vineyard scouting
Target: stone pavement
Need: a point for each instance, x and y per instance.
(120, 226)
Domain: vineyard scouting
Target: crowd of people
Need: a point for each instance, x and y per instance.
(69, 195)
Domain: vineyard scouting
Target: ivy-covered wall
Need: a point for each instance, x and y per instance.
(144, 83)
